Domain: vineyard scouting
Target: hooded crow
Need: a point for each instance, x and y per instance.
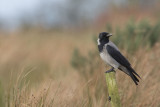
(111, 55)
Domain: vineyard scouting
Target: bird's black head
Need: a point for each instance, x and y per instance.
(104, 37)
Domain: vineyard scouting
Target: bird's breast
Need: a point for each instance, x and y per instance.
(108, 59)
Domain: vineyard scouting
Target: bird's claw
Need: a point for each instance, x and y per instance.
(111, 70)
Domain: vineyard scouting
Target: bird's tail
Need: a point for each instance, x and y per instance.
(133, 75)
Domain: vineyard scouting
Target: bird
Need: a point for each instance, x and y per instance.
(112, 56)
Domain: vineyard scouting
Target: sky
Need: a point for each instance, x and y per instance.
(12, 10)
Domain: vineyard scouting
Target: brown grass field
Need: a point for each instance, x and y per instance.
(36, 71)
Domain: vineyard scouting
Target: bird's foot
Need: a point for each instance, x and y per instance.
(111, 70)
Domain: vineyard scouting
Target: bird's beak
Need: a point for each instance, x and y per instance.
(109, 35)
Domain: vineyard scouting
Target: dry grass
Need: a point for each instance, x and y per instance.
(146, 63)
(35, 71)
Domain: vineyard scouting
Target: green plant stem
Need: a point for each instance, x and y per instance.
(113, 89)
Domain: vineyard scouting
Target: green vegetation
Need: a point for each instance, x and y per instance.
(132, 37)
(135, 35)
(35, 72)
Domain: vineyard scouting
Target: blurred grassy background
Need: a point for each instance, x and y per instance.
(61, 67)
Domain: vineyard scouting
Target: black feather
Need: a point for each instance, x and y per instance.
(127, 72)
(136, 78)
(123, 62)
(117, 56)
(133, 78)
(132, 70)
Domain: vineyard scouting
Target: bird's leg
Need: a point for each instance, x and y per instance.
(111, 70)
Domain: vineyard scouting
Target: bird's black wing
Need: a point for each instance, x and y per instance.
(117, 56)
(123, 61)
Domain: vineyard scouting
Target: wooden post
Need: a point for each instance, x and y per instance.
(113, 89)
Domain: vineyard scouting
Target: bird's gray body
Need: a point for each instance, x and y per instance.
(111, 55)
(109, 60)
(106, 56)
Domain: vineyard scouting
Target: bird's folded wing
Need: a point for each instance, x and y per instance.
(117, 56)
